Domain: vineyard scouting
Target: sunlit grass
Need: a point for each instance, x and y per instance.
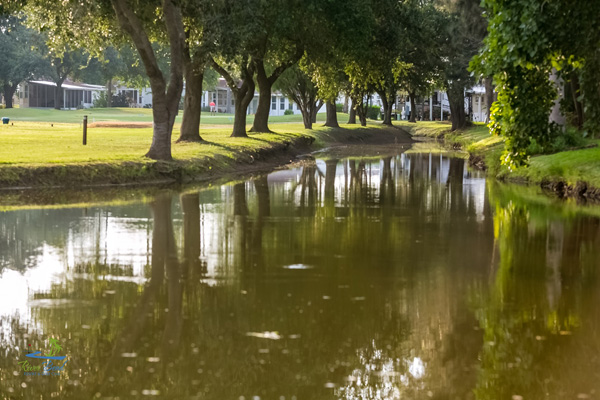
(41, 143)
(431, 129)
(130, 115)
(571, 166)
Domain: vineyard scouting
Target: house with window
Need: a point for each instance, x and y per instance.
(223, 97)
(41, 94)
(136, 98)
(477, 109)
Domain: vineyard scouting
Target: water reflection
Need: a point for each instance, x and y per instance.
(400, 277)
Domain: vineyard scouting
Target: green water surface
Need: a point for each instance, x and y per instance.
(404, 277)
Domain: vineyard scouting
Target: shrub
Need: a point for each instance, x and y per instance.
(373, 112)
(288, 112)
(101, 100)
(560, 140)
(339, 107)
(118, 100)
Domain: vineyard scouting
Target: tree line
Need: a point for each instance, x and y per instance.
(313, 50)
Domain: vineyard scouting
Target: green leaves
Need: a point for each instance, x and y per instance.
(527, 40)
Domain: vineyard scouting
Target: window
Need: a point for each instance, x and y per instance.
(282, 103)
(273, 102)
(290, 104)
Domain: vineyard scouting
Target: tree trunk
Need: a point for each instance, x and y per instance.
(261, 119)
(58, 95)
(9, 92)
(165, 96)
(352, 115)
(387, 109)
(242, 101)
(362, 115)
(575, 93)
(361, 110)
(109, 89)
(331, 121)
(306, 117)
(346, 104)
(413, 108)
(243, 94)
(192, 103)
(457, 113)
(160, 149)
(489, 97)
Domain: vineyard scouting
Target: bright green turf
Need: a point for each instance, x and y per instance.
(571, 165)
(129, 115)
(41, 143)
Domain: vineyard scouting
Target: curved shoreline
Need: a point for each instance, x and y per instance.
(149, 172)
(484, 153)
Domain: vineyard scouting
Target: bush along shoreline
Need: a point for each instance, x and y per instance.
(569, 167)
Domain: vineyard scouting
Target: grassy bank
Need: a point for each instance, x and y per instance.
(45, 154)
(129, 115)
(576, 171)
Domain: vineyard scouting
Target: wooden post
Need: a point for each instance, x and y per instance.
(85, 130)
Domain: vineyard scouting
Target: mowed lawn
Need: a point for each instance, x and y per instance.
(125, 114)
(40, 143)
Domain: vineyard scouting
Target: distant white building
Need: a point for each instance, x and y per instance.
(137, 98)
(224, 100)
(476, 103)
(41, 93)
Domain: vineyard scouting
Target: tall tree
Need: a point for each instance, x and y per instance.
(93, 24)
(232, 29)
(61, 66)
(195, 61)
(19, 46)
(165, 96)
(424, 37)
(298, 86)
(284, 29)
(528, 42)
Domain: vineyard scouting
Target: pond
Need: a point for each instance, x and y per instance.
(399, 276)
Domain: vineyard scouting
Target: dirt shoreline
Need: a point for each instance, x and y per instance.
(148, 172)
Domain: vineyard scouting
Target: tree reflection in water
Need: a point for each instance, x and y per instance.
(416, 282)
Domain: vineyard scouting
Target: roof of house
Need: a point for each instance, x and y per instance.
(71, 85)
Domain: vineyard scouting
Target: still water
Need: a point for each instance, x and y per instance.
(407, 276)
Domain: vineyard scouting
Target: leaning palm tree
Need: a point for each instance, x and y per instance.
(54, 347)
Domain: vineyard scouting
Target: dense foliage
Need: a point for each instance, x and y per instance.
(533, 51)
(536, 50)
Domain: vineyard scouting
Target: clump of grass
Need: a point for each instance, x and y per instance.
(560, 141)
(571, 166)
